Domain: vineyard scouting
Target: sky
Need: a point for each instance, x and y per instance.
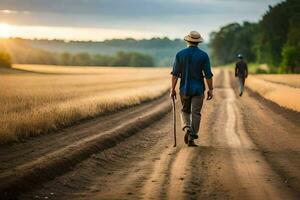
(107, 19)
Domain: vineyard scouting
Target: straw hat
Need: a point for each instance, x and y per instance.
(193, 36)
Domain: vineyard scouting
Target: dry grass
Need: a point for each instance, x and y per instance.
(282, 94)
(286, 79)
(35, 103)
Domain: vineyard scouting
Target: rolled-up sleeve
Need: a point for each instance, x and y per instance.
(176, 71)
(207, 68)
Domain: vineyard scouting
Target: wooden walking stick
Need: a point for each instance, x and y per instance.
(174, 120)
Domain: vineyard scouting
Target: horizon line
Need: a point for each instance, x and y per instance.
(72, 40)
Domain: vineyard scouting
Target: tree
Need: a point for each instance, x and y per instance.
(5, 60)
(121, 59)
(274, 31)
(229, 41)
(244, 42)
(100, 60)
(82, 59)
(291, 59)
(141, 60)
(291, 50)
(66, 58)
(274, 40)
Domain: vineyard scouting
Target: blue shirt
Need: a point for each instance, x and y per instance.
(192, 65)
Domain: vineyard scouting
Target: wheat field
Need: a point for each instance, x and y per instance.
(46, 98)
(286, 79)
(282, 89)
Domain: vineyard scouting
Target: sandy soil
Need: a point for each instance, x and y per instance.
(248, 149)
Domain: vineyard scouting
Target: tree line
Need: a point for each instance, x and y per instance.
(151, 43)
(131, 59)
(274, 40)
(35, 51)
(161, 49)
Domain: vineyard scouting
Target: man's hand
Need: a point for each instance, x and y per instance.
(173, 94)
(209, 95)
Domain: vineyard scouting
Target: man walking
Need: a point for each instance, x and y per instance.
(241, 71)
(192, 65)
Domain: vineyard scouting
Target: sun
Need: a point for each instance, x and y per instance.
(5, 30)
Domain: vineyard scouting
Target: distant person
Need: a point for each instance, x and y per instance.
(192, 65)
(241, 71)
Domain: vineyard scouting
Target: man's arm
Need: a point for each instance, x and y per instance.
(210, 83)
(208, 76)
(236, 70)
(176, 73)
(173, 88)
(210, 88)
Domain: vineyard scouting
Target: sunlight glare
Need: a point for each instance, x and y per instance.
(5, 30)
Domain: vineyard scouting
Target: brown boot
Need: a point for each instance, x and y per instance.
(191, 143)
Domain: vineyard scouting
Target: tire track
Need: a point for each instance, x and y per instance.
(253, 172)
(154, 186)
(180, 170)
(248, 164)
(228, 165)
(22, 153)
(27, 176)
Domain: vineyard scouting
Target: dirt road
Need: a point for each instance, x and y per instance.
(248, 149)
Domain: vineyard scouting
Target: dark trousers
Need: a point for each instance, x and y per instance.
(191, 112)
